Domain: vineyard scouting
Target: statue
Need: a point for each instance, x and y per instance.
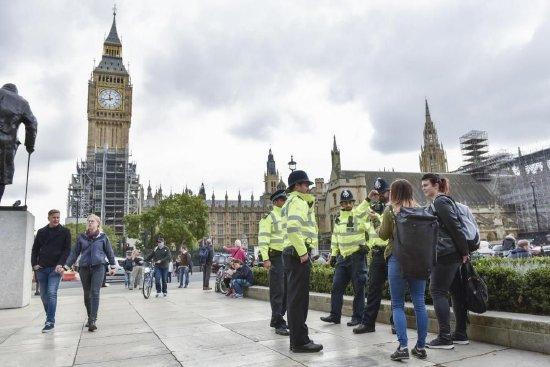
(14, 110)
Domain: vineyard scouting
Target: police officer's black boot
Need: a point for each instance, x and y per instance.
(331, 318)
(310, 347)
(362, 328)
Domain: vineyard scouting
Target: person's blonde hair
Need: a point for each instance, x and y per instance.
(96, 218)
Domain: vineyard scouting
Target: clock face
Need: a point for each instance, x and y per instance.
(110, 99)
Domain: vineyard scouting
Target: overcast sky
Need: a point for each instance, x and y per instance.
(216, 83)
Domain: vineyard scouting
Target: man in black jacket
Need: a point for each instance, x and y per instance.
(207, 266)
(50, 250)
(161, 257)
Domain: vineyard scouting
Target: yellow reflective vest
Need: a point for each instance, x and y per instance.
(362, 211)
(298, 222)
(270, 233)
(348, 234)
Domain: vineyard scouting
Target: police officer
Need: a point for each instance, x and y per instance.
(270, 241)
(300, 236)
(377, 199)
(348, 254)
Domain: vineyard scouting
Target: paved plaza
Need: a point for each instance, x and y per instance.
(196, 328)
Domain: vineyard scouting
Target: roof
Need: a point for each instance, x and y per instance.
(112, 65)
(235, 203)
(464, 188)
(112, 38)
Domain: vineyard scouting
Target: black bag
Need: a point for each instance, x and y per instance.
(476, 293)
(415, 240)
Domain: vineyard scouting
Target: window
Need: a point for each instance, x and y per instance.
(233, 229)
(233, 216)
(258, 216)
(245, 216)
(220, 217)
(220, 229)
(246, 228)
(334, 197)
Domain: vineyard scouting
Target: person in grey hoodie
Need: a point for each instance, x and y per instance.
(93, 247)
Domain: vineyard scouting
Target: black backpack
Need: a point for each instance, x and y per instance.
(415, 240)
(476, 293)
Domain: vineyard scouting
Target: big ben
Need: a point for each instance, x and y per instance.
(106, 183)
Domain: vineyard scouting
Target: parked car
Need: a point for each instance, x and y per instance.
(218, 261)
(119, 271)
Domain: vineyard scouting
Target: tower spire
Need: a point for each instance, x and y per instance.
(334, 146)
(113, 38)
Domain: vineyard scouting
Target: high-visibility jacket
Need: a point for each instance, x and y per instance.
(348, 234)
(299, 224)
(271, 233)
(362, 211)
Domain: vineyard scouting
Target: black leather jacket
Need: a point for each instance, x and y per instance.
(451, 244)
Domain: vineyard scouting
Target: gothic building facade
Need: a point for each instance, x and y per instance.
(106, 183)
(432, 155)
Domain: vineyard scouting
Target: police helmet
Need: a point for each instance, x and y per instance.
(346, 195)
(297, 177)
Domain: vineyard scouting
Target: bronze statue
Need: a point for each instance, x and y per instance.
(14, 110)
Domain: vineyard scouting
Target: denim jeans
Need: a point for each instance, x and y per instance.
(183, 275)
(161, 276)
(48, 281)
(397, 291)
(352, 268)
(239, 284)
(91, 278)
(128, 280)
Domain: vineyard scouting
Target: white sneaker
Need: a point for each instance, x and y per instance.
(165, 295)
(158, 295)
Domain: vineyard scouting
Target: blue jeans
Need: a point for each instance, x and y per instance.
(397, 291)
(49, 280)
(161, 277)
(91, 278)
(352, 268)
(183, 274)
(239, 284)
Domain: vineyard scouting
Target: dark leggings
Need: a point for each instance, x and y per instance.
(91, 278)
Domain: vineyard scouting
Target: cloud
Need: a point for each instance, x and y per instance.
(259, 126)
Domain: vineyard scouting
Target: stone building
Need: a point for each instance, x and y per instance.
(106, 183)
(432, 155)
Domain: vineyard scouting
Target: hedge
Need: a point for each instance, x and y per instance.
(515, 285)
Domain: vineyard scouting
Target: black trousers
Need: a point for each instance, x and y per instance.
(277, 289)
(378, 274)
(206, 270)
(91, 278)
(297, 296)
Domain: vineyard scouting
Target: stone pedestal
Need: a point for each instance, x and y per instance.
(16, 239)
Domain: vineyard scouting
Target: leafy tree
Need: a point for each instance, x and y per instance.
(180, 219)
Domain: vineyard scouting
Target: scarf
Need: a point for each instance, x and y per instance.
(92, 235)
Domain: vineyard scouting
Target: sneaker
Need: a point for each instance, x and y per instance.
(165, 295)
(419, 353)
(282, 331)
(237, 295)
(180, 286)
(400, 354)
(92, 326)
(48, 328)
(185, 286)
(441, 343)
(460, 338)
(157, 295)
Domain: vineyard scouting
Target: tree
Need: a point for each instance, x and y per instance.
(180, 219)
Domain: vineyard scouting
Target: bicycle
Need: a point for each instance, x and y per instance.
(148, 279)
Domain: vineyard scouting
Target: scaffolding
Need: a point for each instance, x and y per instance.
(107, 185)
(475, 147)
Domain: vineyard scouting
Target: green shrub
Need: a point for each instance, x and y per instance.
(514, 285)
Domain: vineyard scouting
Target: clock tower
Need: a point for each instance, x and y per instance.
(109, 97)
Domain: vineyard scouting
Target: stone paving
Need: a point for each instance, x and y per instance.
(196, 328)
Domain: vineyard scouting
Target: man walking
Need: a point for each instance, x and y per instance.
(161, 257)
(270, 241)
(300, 237)
(348, 254)
(50, 250)
(184, 262)
(377, 199)
(137, 272)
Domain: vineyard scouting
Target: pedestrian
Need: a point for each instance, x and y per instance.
(50, 250)
(241, 278)
(161, 258)
(348, 256)
(170, 271)
(206, 256)
(236, 252)
(508, 243)
(376, 201)
(521, 250)
(270, 242)
(137, 272)
(300, 237)
(184, 262)
(128, 266)
(401, 196)
(93, 247)
(452, 251)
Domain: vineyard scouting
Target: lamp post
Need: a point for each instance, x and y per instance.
(536, 212)
(292, 164)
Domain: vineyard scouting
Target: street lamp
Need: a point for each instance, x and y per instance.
(536, 213)
(292, 164)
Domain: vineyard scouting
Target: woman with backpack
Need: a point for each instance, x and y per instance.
(401, 198)
(452, 251)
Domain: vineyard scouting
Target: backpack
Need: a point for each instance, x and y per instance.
(203, 254)
(415, 240)
(476, 293)
(468, 224)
